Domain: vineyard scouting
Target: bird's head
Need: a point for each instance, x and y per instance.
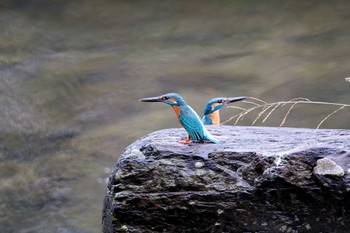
(216, 103)
(173, 99)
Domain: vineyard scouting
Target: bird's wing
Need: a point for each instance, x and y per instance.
(192, 123)
(206, 120)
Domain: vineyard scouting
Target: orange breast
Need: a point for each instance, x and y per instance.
(215, 118)
(177, 111)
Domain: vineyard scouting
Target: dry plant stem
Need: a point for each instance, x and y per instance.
(253, 98)
(244, 109)
(267, 116)
(261, 113)
(314, 102)
(318, 126)
(298, 99)
(240, 117)
(248, 102)
(266, 106)
(285, 117)
(242, 114)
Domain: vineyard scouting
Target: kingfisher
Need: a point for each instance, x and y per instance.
(211, 111)
(187, 117)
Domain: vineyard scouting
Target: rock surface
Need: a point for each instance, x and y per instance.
(259, 179)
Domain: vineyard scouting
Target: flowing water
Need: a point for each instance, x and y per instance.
(71, 74)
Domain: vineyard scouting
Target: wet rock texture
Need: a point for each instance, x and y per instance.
(259, 179)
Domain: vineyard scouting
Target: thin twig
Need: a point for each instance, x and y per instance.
(318, 126)
(253, 98)
(248, 102)
(239, 115)
(262, 112)
(242, 115)
(244, 109)
(296, 100)
(266, 106)
(285, 117)
(314, 102)
(267, 116)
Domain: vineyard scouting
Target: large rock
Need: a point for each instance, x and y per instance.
(258, 180)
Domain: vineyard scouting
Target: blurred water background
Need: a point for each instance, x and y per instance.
(71, 74)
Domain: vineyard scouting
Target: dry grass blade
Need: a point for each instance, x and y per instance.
(314, 102)
(261, 113)
(244, 109)
(267, 106)
(238, 115)
(285, 117)
(248, 102)
(298, 99)
(231, 118)
(334, 112)
(262, 101)
(241, 116)
(267, 116)
(238, 118)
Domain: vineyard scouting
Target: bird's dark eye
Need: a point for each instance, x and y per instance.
(165, 98)
(219, 101)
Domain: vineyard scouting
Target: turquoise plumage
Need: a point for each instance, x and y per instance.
(211, 111)
(188, 118)
(193, 125)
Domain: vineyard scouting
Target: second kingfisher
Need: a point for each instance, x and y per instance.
(211, 111)
(188, 118)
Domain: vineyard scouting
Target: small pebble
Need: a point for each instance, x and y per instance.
(124, 228)
(198, 164)
(307, 226)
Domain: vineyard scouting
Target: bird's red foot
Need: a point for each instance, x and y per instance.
(187, 141)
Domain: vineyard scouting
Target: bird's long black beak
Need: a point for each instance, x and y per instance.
(235, 99)
(151, 99)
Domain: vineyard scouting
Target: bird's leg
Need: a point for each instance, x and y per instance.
(187, 140)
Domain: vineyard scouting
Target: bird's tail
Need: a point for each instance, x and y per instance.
(211, 138)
